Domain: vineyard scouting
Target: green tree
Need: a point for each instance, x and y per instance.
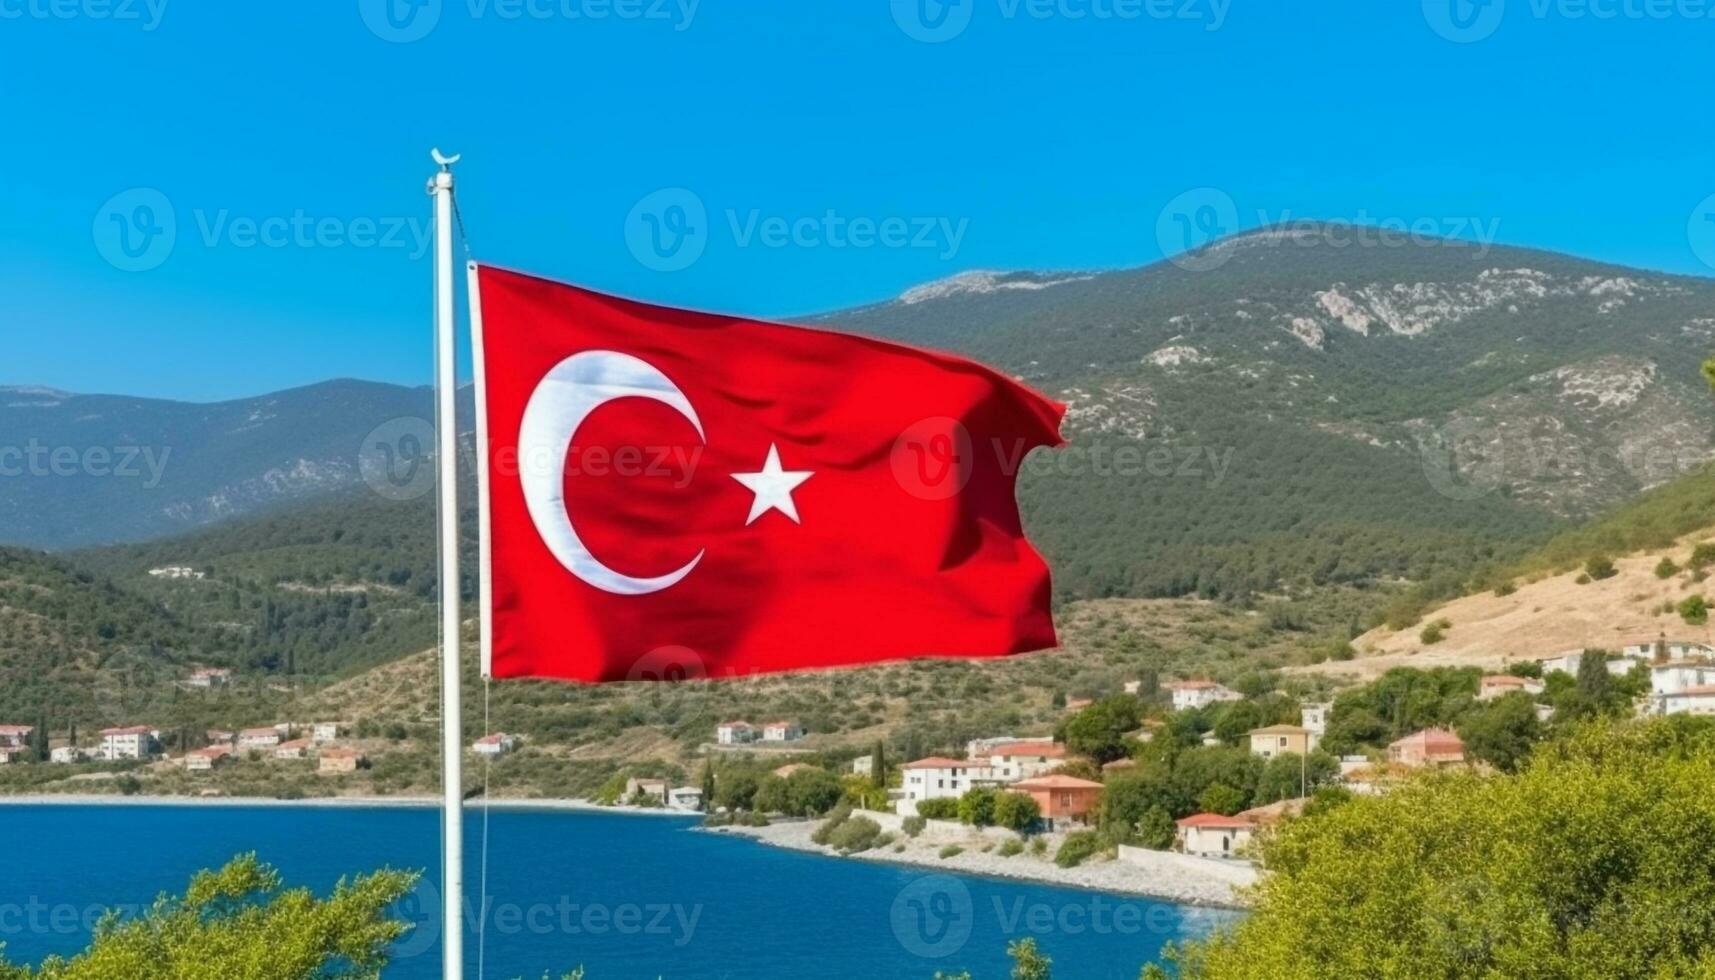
(1694, 610)
(1564, 870)
(1599, 567)
(813, 792)
(240, 921)
(708, 794)
(771, 796)
(976, 807)
(1288, 775)
(1502, 732)
(1156, 830)
(1016, 811)
(1223, 799)
(878, 765)
(736, 788)
(1099, 730)
(1666, 568)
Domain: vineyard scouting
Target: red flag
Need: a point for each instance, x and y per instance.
(675, 494)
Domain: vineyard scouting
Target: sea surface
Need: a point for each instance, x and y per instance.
(627, 897)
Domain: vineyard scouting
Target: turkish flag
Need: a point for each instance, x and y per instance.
(674, 495)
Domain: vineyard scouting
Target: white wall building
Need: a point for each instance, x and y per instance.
(1023, 760)
(127, 743)
(1314, 718)
(735, 733)
(495, 745)
(324, 731)
(938, 777)
(259, 738)
(1568, 662)
(1692, 701)
(782, 731)
(1675, 650)
(1213, 835)
(1199, 694)
(1495, 686)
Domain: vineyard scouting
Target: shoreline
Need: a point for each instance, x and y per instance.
(332, 803)
(1194, 882)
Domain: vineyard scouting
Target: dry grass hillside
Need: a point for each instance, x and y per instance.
(1546, 616)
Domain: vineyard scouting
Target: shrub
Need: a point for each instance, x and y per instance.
(1435, 632)
(951, 850)
(1077, 847)
(1694, 610)
(855, 834)
(1505, 589)
(914, 825)
(1600, 567)
(1039, 846)
(1016, 811)
(1012, 848)
(976, 807)
(944, 808)
(1666, 568)
(825, 833)
(1703, 555)
(1582, 579)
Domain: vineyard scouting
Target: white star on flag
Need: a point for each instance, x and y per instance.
(773, 487)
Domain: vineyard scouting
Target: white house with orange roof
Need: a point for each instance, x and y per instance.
(15, 736)
(939, 777)
(298, 748)
(495, 745)
(1188, 695)
(1430, 747)
(206, 759)
(1214, 835)
(1022, 760)
(259, 738)
(337, 759)
(209, 677)
(135, 743)
(1691, 701)
(782, 731)
(1494, 686)
(735, 733)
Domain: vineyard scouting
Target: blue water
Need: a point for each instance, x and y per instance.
(628, 897)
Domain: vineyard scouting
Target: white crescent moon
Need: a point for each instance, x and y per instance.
(575, 387)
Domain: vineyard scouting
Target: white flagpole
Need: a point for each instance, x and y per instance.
(446, 458)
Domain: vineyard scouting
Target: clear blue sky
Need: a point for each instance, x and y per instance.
(1043, 139)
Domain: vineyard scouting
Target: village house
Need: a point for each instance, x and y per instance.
(1494, 686)
(205, 760)
(336, 759)
(1188, 695)
(324, 731)
(1676, 676)
(1430, 747)
(782, 731)
(982, 748)
(1691, 701)
(259, 738)
(735, 733)
(1063, 800)
(1022, 760)
(65, 754)
(13, 736)
(1214, 835)
(1078, 704)
(220, 736)
(651, 789)
(1568, 662)
(495, 745)
(1313, 717)
(1133, 687)
(14, 753)
(1281, 739)
(863, 765)
(685, 798)
(295, 749)
(938, 777)
(1669, 650)
(210, 677)
(136, 743)
(175, 571)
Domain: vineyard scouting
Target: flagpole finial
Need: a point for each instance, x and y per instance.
(444, 160)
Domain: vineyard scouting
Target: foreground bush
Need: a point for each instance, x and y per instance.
(1593, 863)
(238, 922)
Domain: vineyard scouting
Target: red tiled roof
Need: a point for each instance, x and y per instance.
(1055, 781)
(1434, 740)
(1191, 685)
(1049, 749)
(1215, 821)
(940, 762)
(260, 731)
